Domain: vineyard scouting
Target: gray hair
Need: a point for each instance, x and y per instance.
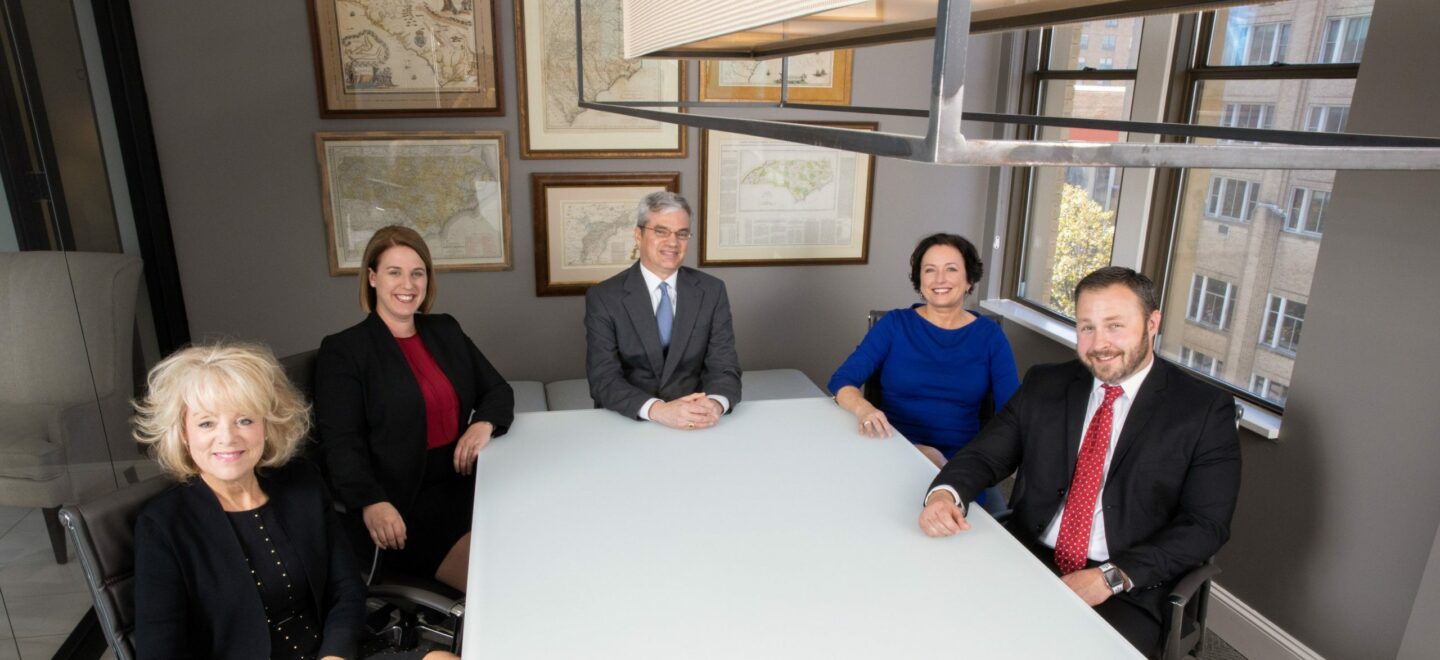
(660, 201)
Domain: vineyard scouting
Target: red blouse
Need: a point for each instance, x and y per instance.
(442, 407)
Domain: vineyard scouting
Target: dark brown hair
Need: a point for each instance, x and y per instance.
(1139, 284)
(386, 238)
(974, 268)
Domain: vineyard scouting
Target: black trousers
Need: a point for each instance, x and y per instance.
(1135, 623)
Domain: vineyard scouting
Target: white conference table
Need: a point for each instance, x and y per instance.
(779, 533)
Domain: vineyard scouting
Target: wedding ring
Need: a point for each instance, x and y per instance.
(691, 425)
(867, 422)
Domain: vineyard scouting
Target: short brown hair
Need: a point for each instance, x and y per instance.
(386, 238)
(1138, 283)
(243, 376)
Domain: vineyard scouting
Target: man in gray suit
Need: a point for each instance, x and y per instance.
(659, 344)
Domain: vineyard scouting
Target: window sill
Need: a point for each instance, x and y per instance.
(1257, 420)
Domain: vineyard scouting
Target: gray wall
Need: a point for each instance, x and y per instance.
(235, 110)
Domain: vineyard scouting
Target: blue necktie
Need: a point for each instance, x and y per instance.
(665, 315)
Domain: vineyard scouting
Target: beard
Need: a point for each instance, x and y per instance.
(1111, 373)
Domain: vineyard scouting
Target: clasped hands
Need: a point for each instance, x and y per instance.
(941, 517)
(693, 411)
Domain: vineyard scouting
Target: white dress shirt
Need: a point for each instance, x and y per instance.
(1099, 549)
(652, 284)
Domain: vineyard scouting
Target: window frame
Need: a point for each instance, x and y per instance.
(1270, 329)
(1197, 304)
(1330, 52)
(1297, 216)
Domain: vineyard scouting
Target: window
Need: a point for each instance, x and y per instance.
(1327, 118)
(1307, 210)
(1084, 41)
(1268, 388)
(1114, 22)
(1107, 63)
(1108, 42)
(1210, 302)
(1201, 362)
(1283, 320)
(1258, 45)
(1231, 199)
(1225, 245)
(1247, 115)
(1344, 39)
(1081, 62)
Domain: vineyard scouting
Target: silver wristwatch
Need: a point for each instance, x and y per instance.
(1113, 578)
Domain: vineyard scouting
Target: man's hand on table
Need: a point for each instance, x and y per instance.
(941, 517)
(693, 411)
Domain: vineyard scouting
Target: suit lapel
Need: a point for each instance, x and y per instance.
(1077, 397)
(642, 316)
(1146, 401)
(687, 309)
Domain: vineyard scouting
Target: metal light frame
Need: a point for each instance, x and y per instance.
(944, 144)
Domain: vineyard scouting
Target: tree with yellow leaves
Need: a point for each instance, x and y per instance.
(1083, 240)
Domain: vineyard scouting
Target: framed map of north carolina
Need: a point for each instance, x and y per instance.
(406, 57)
(449, 187)
(552, 124)
(585, 225)
(767, 203)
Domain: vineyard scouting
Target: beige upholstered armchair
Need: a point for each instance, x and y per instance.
(66, 327)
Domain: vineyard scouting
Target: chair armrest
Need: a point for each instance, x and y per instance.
(1185, 589)
(451, 606)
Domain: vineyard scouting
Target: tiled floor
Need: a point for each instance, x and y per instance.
(42, 601)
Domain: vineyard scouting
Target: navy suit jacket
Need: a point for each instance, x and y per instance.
(1173, 480)
(623, 359)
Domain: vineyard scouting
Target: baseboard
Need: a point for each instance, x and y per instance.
(1253, 635)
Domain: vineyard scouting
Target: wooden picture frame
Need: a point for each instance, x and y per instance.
(584, 225)
(552, 125)
(771, 203)
(829, 74)
(451, 187)
(428, 62)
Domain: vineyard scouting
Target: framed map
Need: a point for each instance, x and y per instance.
(814, 78)
(766, 203)
(406, 57)
(552, 124)
(585, 226)
(450, 187)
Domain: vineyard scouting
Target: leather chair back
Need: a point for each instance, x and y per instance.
(104, 534)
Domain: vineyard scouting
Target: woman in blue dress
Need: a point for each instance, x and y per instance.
(936, 360)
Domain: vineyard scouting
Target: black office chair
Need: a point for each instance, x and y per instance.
(416, 610)
(1184, 629)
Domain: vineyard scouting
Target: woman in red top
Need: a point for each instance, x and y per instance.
(404, 402)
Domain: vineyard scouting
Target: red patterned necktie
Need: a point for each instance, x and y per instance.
(1073, 545)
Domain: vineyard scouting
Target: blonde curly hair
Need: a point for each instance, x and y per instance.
(221, 375)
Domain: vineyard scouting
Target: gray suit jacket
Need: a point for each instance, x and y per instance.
(623, 359)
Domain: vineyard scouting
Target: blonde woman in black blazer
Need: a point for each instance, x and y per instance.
(244, 557)
(404, 403)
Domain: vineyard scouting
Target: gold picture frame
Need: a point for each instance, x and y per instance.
(451, 187)
(823, 77)
(552, 125)
(584, 225)
(767, 202)
(427, 62)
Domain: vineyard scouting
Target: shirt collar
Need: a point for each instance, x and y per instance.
(652, 280)
(1131, 385)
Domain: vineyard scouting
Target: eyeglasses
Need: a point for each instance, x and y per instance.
(663, 233)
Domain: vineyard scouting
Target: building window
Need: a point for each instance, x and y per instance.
(1211, 302)
(1307, 211)
(1201, 362)
(1114, 22)
(1084, 40)
(1344, 39)
(1268, 388)
(1258, 44)
(1327, 118)
(1231, 199)
(1283, 320)
(1247, 115)
(1108, 42)
(1107, 63)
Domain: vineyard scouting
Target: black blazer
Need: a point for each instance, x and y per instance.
(1172, 484)
(623, 359)
(370, 414)
(194, 597)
